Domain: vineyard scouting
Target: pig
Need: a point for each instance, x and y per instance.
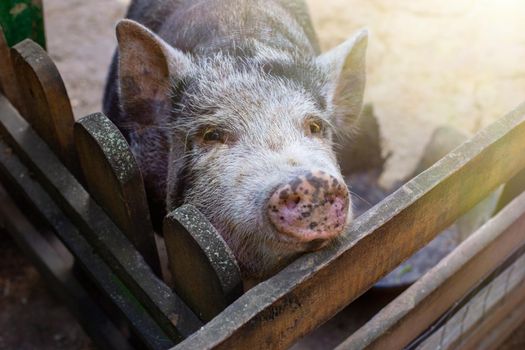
(230, 106)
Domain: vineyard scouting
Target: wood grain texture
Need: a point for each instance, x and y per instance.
(115, 182)
(316, 286)
(483, 323)
(18, 177)
(58, 275)
(166, 308)
(205, 272)
(417, 308)
(45, 101)
(508, 317)
(8, 82)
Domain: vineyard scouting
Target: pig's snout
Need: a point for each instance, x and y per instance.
(310, 208)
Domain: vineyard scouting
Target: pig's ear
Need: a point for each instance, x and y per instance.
(148, 67)
(347, 75)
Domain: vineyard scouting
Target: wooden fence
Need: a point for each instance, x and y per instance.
(74, 186)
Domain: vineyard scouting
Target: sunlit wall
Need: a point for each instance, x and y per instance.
(432, 62)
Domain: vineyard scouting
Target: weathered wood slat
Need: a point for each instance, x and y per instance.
(417, 308)
(483, 322)
(8, 83)
(497, 330)
(205, 272)
(172, 315)
(501, 323)
(115, 181)
(46, 103)
(59, 277)
(316, 286)
(18, 177)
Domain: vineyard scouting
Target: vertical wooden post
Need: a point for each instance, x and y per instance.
(8, 83)
(96, 227)
(46, 103)
(204, 270)
(114, 180)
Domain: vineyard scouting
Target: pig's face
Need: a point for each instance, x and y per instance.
(258, 149)
(250, 145)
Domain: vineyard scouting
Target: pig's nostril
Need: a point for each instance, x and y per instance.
(292, 202)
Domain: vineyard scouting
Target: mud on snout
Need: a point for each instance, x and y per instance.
(310, 210)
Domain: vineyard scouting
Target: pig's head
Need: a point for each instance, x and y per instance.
(246, 138)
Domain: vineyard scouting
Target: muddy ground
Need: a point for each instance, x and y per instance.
(431, 63)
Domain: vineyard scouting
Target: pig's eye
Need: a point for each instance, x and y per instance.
(315, 127)
(212, 135)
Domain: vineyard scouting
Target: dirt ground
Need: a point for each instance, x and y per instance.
(30, 317)
(458, 63)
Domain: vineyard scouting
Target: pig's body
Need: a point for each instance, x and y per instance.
(232, 111)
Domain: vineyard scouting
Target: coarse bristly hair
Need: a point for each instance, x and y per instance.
(258, 92)
(266, 147)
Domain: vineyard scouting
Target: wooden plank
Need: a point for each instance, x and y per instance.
(205, 272)
(485, 321)
(492, 333)
(168, 310)
(417, 308)
(15, 175)
(115, 182)
(57, 273)
(316, 286)
(8, 83)
(46, 103)
(23, 19)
